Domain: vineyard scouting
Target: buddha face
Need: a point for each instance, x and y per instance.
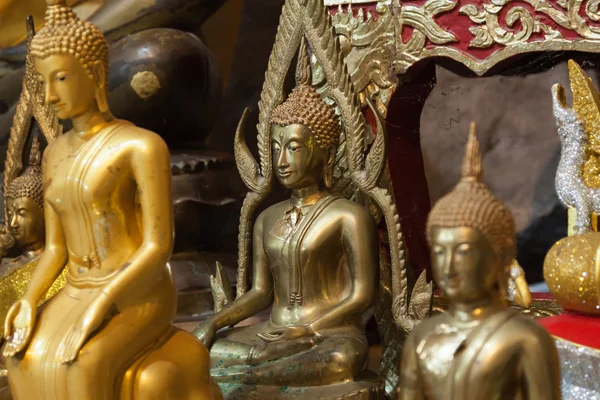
(67, 85)
(464, 265)
(26, 222)
(298, 162)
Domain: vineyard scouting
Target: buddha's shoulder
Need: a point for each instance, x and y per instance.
(350, 211)
(125, 130)
(55, 145)
(428, 326)
(524, 329)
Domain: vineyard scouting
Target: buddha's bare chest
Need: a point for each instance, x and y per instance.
(452, 363)
(312, 245)
(87, 176)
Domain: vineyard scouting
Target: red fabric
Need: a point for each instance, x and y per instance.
(541, 296)
(405, 163)
(576, 328)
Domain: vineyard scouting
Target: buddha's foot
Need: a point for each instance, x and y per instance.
(366, 387)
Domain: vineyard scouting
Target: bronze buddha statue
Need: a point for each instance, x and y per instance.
(479, 348)
(315, 260)
(315, 257)
(109, 222)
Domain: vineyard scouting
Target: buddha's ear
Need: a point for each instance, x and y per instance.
(331, 152)
(99, 72)
(329, 164)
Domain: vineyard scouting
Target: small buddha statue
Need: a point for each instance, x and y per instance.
(24, 202)
(109, 222)
(479, 348)
(315, 263)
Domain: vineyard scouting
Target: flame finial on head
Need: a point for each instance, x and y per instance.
(306, 107)
(471, 166)
(470, 204)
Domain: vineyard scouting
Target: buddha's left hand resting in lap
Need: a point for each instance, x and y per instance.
(108, 218)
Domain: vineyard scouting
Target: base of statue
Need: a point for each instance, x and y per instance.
(578, 343)
(367, 387)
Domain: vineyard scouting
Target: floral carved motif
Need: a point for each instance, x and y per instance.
(383, 39)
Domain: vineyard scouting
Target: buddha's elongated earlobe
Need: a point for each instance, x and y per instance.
(328, 177)
(328, 170)
(102, 100)
(100, 81)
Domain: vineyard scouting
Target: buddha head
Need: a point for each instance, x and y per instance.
(472, 236)
(305, 132)
(25, 205)
(71, 61)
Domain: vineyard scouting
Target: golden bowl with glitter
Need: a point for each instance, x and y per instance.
(571, 271)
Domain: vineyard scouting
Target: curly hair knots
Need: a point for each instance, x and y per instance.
(65, 33)
(305, 106)
(28, 185)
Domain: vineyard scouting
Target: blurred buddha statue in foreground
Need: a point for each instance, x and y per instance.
(109, 220)
(479, 348)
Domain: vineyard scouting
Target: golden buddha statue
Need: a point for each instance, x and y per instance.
(109, 221)
(479, 348)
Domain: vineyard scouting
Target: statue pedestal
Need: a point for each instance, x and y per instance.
(578, 343)
(369, 387)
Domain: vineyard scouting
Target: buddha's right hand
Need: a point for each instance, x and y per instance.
(205, 332)
(18, 327)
